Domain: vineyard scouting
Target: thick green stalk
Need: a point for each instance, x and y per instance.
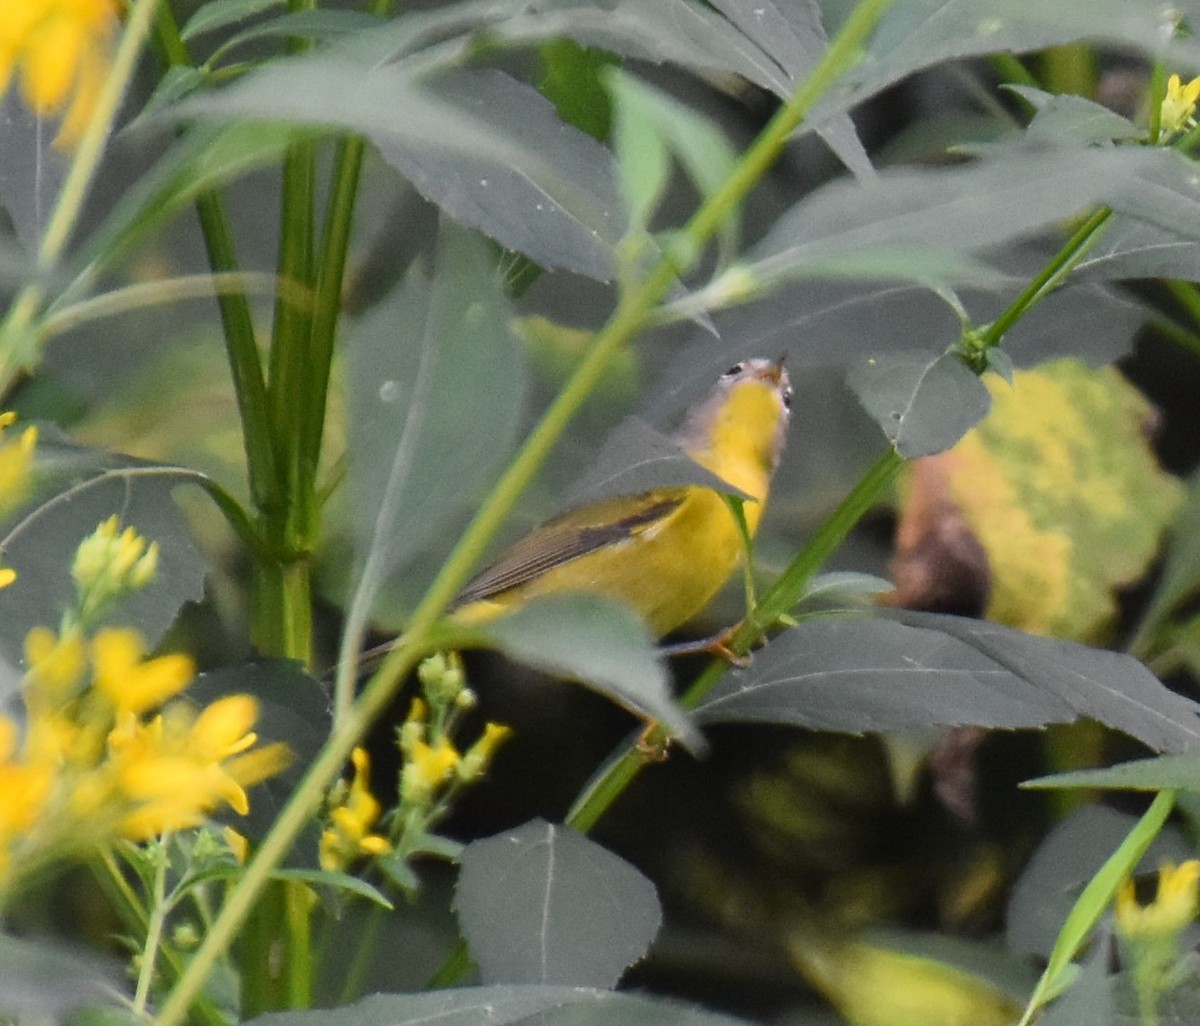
(331, 266)
(631, 313)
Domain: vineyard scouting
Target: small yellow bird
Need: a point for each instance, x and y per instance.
(664, 552)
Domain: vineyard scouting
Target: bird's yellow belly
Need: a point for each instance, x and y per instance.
(667, 573)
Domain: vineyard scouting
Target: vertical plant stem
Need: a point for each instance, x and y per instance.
(154, 926)
(241, 350)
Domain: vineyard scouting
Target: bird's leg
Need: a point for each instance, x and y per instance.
(716, 645)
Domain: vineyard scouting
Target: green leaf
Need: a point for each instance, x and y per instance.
(922, 33)
(544, 904)
(930, 215)
(321, 25)
(202, 160)
(853, 673)
(638, 458)
(79, 490)
(1070, 855)
(219, 14)
(602, 644)
(1097, 896)
(923, 401)
(438, 385)
(40, 980)
(792, 34)
(1064, 118)
(488, 149)
(1132, 248)
(1179, 771)
(519, 1005)
(650, 123)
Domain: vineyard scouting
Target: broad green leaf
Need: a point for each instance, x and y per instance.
(1069, 856)
(32, 171)
(80, 489)
(544, 904)
(602, 644)
(219, 14)
(506, 1005)
(1132, 248)
(637, 458)
(486, 148)
(41, 981)
(923, 401)
(1064, 118)
(792, 34)
(1179, 771)
(321, 25)
(932, 214)
(837, 323)
(922, 33)
(855, 674)
(438, 385)
(1062, 490)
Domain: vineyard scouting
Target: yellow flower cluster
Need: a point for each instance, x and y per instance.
(434, 769)
(1174, 907)
(60, 48)
(1178, 108)
(16, 473)
(109, 750)
(110, 563)
(355, 812)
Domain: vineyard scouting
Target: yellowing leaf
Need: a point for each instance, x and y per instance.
(1061, 488)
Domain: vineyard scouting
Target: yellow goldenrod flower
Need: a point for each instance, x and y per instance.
(179, 767)
(108, 565)
(351, 820)
(16, 457)
(427, 768)
(1174, 907)
(61, 50)
(55, 667)
(479, 756)
(128, 680)
(1178, 107)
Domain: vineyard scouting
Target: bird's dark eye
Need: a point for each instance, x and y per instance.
(737, 368)
(787, 398)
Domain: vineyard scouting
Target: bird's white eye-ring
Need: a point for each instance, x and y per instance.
(787, 398)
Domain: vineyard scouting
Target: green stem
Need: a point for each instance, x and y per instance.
(606, 787)
(241, 349)
(1048, 279)
(154, 926)
(20, 339)
(312, 402)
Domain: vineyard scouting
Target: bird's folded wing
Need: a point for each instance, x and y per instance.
(570, 536)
